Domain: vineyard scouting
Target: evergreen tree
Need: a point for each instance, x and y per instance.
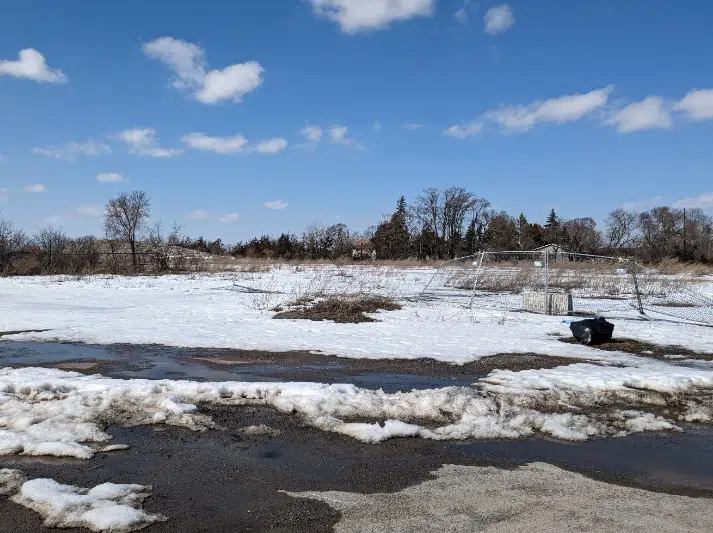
(391, 239)
(554, 228)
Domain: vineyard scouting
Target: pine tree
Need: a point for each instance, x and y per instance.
(554, 228)
(553, 221)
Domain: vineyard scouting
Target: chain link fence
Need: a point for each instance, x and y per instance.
(552, 281)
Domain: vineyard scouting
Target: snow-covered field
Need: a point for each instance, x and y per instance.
(220, 311)
(50, 412)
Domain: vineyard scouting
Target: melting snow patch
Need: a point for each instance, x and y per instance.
(10, 481)
(54, 412)
(107, 507)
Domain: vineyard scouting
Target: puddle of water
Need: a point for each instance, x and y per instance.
(669, 458)
(27, 353)
(404, 382)
(147, 362)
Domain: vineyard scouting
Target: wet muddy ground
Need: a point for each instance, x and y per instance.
(162, 362)
(231, 480)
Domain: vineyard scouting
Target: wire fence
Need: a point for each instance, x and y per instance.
(551, 281)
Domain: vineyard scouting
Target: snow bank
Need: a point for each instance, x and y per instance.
(54, 412)
(107, 507)
(210, 311)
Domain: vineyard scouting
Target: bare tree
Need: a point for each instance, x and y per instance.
(621, 227)
(52, 244)
(11, 242)
(125, 218)
(443, 212)
(581, 235)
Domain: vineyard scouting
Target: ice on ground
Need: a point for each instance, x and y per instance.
(108, 507)
(10, 481)
(208, 311)
(533, 498)
(53, 412)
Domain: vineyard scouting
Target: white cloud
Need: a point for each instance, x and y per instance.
(199, 214)
(229, 219)
(3, 157)
(219, 145)
(651, 113)
(559, 110)
(271, 146)
(31, 65)
(376, 125)
(72, 150)
(313, 134)
(56, 219)
(463, 131)
(90, 210)
(703, 201)
(38, 187)
(462, 16)
(354, 16)
(498, 19)
(413, 126)
(338, 134)
(643, 205)
(277, 204)
(111, 177)
(697, 104)
(187, 60)
(3, 193)
(143, 142)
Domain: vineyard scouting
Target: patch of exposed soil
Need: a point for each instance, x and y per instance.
(341, 310)
(646, 349)
(19, 331)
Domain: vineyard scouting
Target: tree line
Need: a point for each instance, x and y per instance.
(437, 224)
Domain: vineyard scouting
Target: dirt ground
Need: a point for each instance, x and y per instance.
(229, 481)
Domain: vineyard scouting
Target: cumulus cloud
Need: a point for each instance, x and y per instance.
(199, 214)
(704, 201)
(518, 119)
(143, 142)
(650, 113)
(187, 61)
(37, 187)
(229, 219)
(697, 105)
(338, 134)
(463, 131)
(354, 16)
(271, 146)
(90, 210)
(31, 65)
(110, 177)
(276, 204)
(219, 145)
(498, 19)
(313, 135)
(71, 151)
(233, 144)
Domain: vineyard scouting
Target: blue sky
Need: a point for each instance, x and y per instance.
(328, 110)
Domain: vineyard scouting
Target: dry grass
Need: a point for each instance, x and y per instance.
(676, 267)
(645, 349)
(339, 309)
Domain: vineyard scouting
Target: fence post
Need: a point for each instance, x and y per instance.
(547, 282)
(632, 266)
(477, 278)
